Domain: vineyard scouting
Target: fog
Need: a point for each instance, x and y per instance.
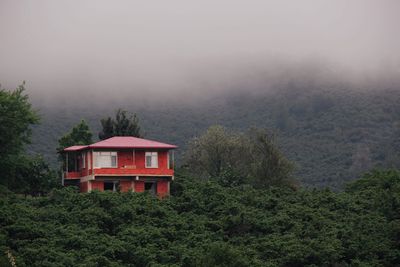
(165, 50)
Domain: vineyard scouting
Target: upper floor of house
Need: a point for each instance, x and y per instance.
(119, 156)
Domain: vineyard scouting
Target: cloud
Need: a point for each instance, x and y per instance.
(163, 48)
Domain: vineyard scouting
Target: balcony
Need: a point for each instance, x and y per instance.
(120, 172)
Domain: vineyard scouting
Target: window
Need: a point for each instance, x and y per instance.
(105, 159)
(151, 160)
(150, 187)
(111, 186)
(89, 161)
(170, 160)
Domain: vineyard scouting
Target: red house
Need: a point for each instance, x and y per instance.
(120, 163)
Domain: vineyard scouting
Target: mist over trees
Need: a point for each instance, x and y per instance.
(245, 214)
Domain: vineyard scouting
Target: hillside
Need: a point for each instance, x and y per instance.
(333, 132)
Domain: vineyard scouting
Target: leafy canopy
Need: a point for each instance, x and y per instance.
(205, 224)
(16, 118)
(236, 158)
(124, 124)
(20, 172)
(79, 135)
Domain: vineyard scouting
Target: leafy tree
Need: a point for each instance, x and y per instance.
(123, 125)
(209, 154)
(79, 135)
(268, 166)
(252, 157)
(34, 176)
(16, 118)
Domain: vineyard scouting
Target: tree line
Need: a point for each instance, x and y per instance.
(232, 158)
(234, 202)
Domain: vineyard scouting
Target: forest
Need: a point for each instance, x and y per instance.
(333, 132)
(253, 210)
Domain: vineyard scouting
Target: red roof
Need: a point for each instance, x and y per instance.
(74, 148)
(123, 142)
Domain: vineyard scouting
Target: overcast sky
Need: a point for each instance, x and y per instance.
(162, 47)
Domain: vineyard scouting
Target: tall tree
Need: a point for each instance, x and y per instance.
(79, 135)
(252, 157)
(124, 124)
(267, 165)
(209, 154)
(16, 119)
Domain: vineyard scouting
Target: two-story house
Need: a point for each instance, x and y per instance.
(120, 163)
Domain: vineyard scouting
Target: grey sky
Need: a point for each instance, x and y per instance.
(144, 47)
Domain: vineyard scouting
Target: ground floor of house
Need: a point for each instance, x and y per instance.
(159, 186)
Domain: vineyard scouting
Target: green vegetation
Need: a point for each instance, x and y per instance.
(123, 125)
(251, 158)
(20, 172)
(247, 213)
(206, 224)
(79, 135)
(333, 132)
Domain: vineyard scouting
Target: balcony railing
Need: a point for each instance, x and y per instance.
(120, 171)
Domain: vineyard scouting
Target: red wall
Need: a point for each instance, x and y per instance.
(162, 188)
(139, 186)
(84, 186)
(127, 165)
(98, 185)
(125, 186)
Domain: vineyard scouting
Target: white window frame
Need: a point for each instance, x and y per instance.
(170, 159)
(154, 159)
(97, 154)
(89, 159)
(83, 160)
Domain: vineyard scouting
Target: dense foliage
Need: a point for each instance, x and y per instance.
(18, 171)
(205, 224)
(124, 124)
(251, 157)
(333, 132)
(79, 135)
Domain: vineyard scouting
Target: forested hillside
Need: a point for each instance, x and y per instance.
(205, 224)
(332, 132)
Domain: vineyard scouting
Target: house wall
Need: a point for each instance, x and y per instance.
(127, 164)
(85, 171)
(84, 187)
(139, 186)
(162, 188)
(125, 186)
(97, 185)
(136, 166)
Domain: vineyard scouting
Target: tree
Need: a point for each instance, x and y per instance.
(268, 166)
(34, 176)
(16, 119)
(79, 135)
(123, 125)
(209, 154)
(236, 158)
